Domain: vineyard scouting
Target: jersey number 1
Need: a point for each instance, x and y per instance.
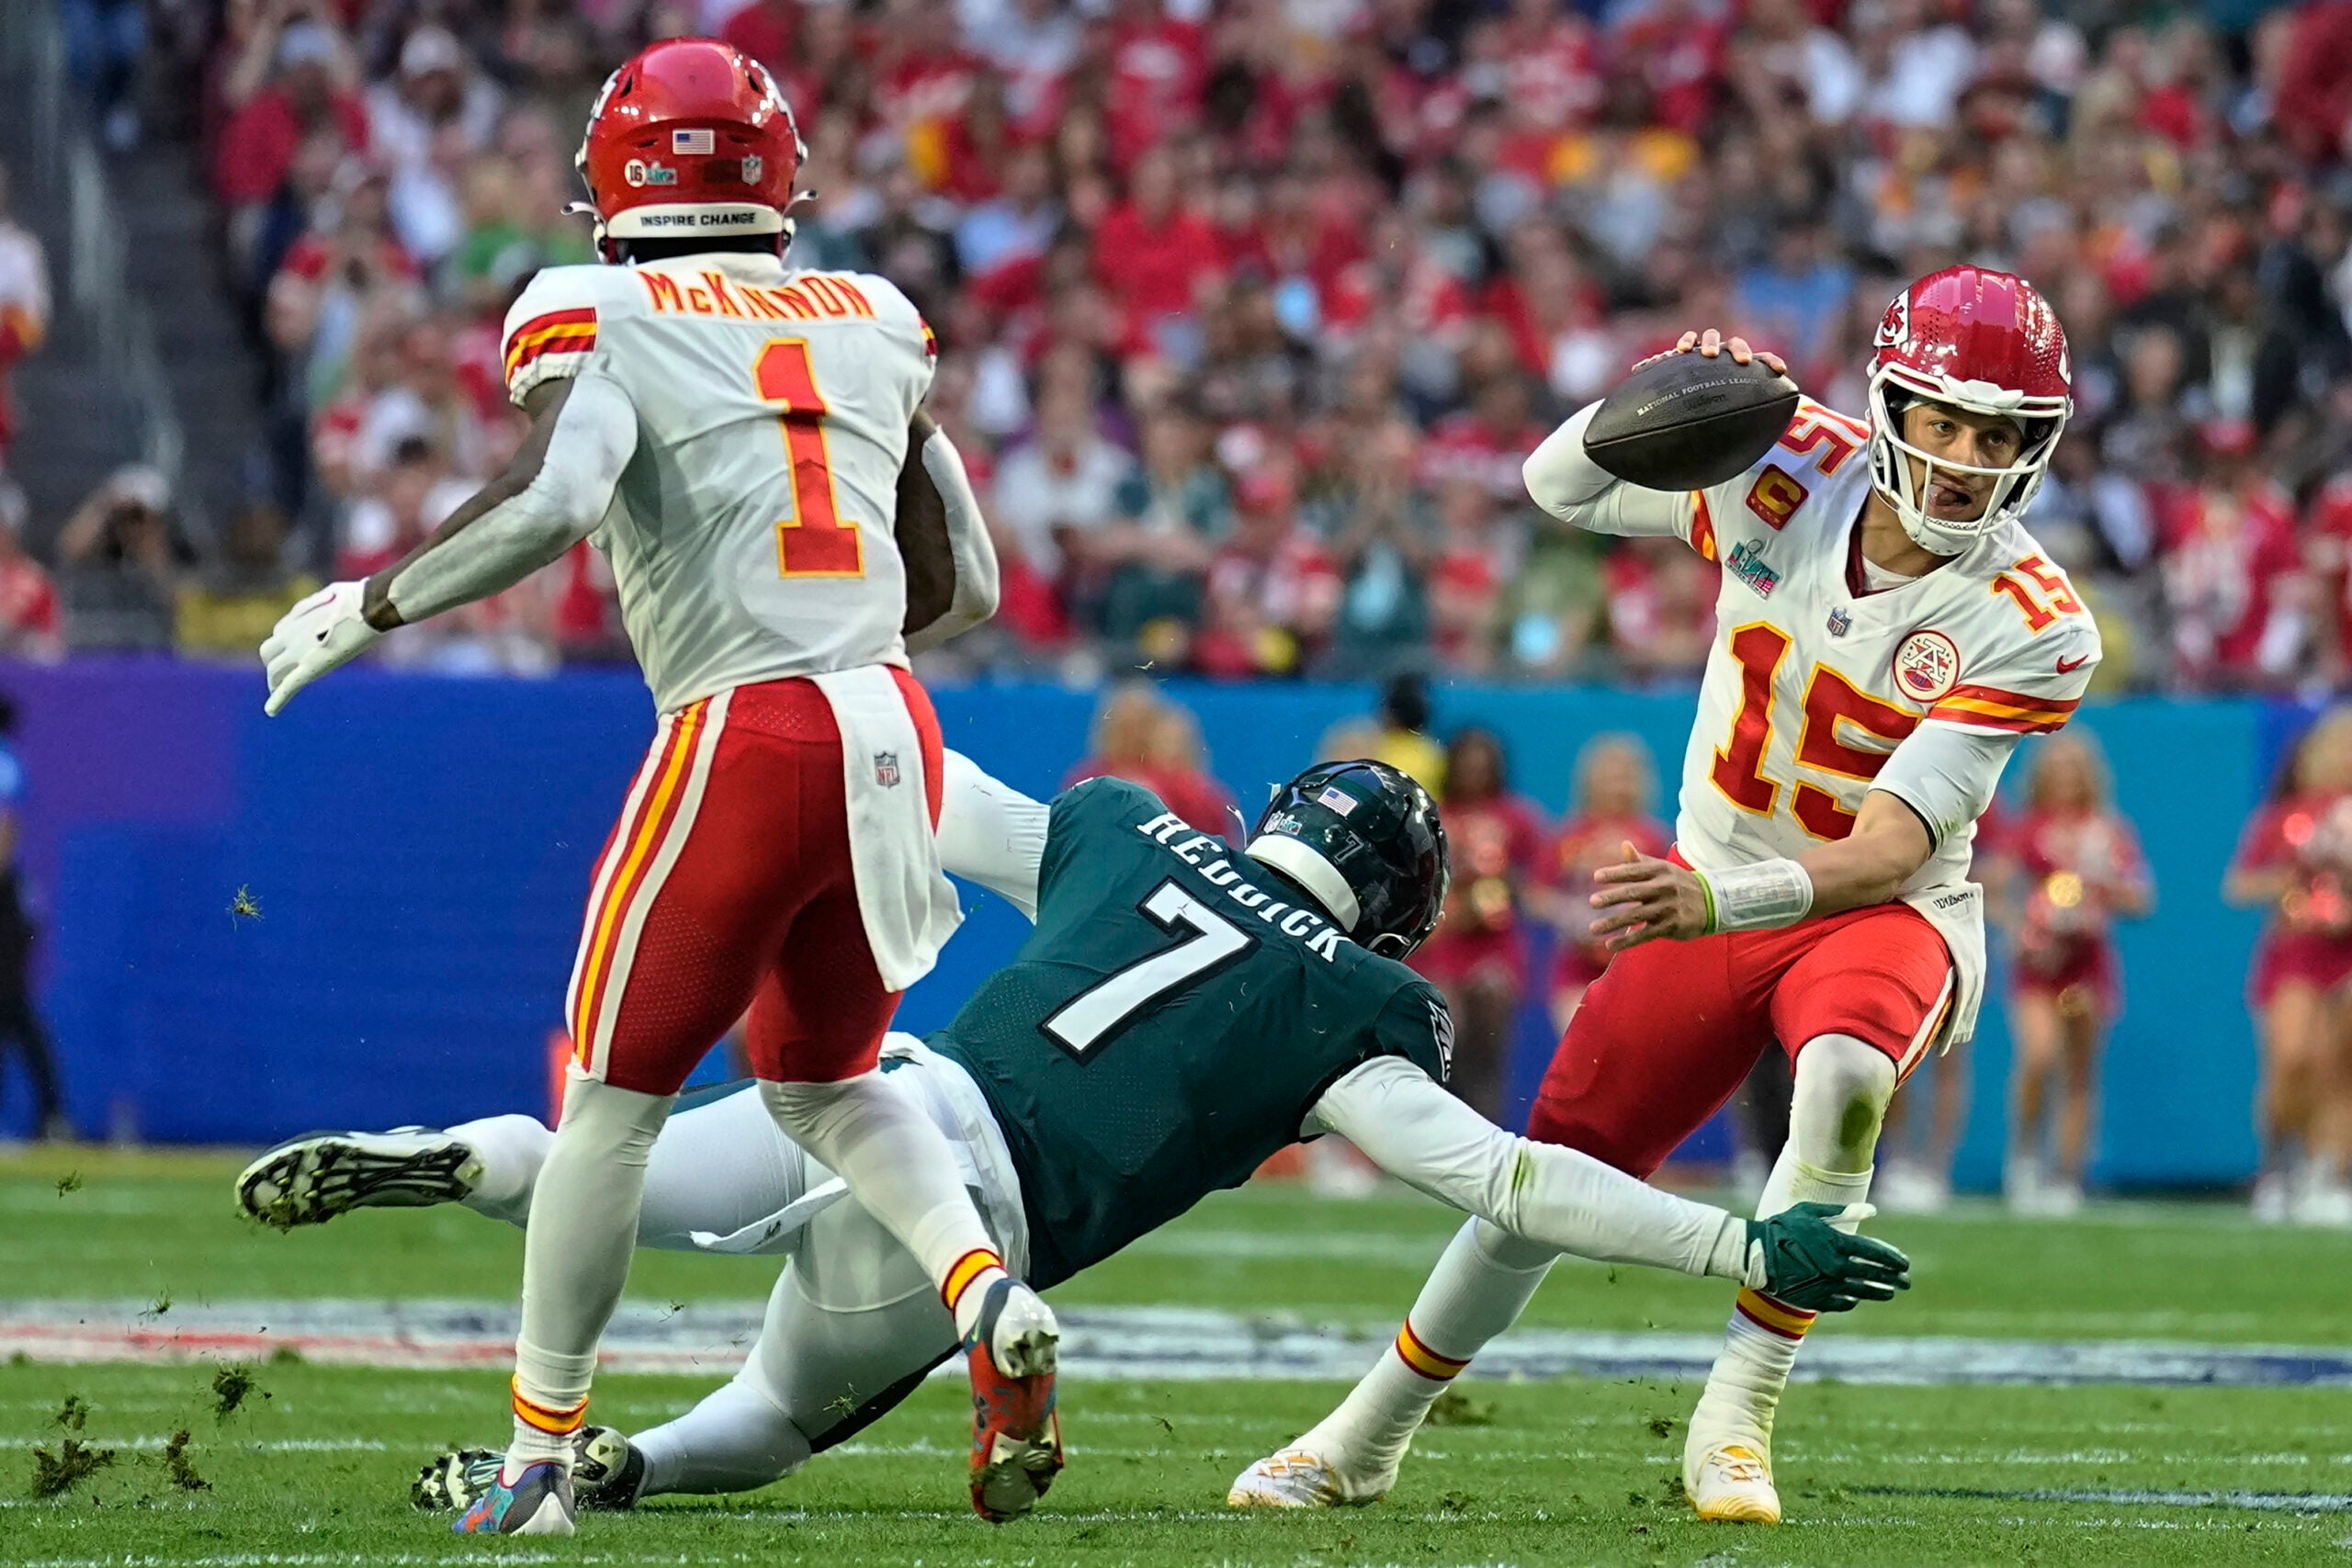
(1104, 1008)
(814, 541)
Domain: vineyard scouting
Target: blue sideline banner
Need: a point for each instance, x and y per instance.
(363, 913)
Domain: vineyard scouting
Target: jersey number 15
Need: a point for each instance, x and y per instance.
(1829, 700)
(816, 540)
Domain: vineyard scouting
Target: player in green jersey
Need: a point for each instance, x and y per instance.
(1182, 1011)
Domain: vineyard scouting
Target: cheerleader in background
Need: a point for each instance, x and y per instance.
(1478, 956)
(2295, 858)
(2065, 870)
(1616, 793)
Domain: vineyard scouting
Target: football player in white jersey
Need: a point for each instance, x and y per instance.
(1887, 632)
(734, 433)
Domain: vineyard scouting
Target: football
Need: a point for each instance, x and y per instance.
(1687, 421)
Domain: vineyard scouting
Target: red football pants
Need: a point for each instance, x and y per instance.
(1671, 1027)
(726, 886)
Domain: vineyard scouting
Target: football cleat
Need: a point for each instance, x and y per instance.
(607, 1476)
(1731, 1483)
(1296, 1478)
(310, 1179)
(538, 1502)
(1016, 1435)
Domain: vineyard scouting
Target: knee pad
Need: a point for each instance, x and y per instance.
(1843, 1085)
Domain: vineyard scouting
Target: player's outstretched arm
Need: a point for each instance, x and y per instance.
(944, 541)
(583, 430)
(1414, 1130)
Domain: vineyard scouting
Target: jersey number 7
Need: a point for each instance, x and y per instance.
(1104, 1008)
(815, 541)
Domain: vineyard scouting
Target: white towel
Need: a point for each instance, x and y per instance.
(780, 1230)
(909, 905)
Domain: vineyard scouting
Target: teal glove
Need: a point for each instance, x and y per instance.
(1814, 1267)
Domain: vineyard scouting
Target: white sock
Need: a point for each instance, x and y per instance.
(898, 1166)
(1834, 1117)
(576, 1250)
(1481, 1283)
(512, 1148)
(736, 1439)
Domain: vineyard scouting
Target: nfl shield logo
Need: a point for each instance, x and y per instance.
(886, 769)
(1840, 623)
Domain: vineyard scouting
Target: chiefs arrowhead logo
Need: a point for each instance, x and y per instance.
(1926, 666)
(1894, 327)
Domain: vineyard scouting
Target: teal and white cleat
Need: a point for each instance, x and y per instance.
(310, 1179)
(607, 1476)
(538, 1503)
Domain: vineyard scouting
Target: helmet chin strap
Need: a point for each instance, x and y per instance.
(1928, 531)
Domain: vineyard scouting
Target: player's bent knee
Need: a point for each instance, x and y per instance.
(1507, 1249)
(1846, 1083)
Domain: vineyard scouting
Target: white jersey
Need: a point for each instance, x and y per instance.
(1813, 688)
(750, 535)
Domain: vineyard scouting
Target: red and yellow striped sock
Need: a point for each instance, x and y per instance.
(556, 1422)
(543, 1432)
(977, 1267)
(1415, 1353)
(1773, 1317)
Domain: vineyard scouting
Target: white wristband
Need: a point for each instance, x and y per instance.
(1764, 897)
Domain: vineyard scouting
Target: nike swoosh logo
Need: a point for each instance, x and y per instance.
(2068, 666)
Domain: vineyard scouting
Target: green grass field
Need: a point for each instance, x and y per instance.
(312, 1468)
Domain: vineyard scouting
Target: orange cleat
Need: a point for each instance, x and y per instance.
(1016, 1435)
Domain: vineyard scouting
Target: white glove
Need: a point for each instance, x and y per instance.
(314, 637)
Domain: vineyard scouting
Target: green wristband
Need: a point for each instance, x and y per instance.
(1707, 893)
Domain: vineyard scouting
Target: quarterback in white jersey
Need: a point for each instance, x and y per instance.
(736, 435)
(1887, 632)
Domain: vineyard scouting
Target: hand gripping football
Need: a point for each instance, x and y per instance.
(1686, 420)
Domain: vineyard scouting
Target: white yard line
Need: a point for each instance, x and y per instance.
(1104, 1343)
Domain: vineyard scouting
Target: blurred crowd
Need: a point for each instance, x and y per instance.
(1249, 309)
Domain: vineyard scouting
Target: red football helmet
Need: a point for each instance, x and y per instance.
(1978, 340)
(692, 137)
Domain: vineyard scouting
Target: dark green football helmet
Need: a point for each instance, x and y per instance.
(1367, 841)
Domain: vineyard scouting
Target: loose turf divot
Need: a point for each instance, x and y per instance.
(177, 1466)
(74, 1462)
(230, 1387)
(1454, 1408)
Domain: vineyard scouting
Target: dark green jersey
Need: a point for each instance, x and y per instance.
(1168, 1025)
